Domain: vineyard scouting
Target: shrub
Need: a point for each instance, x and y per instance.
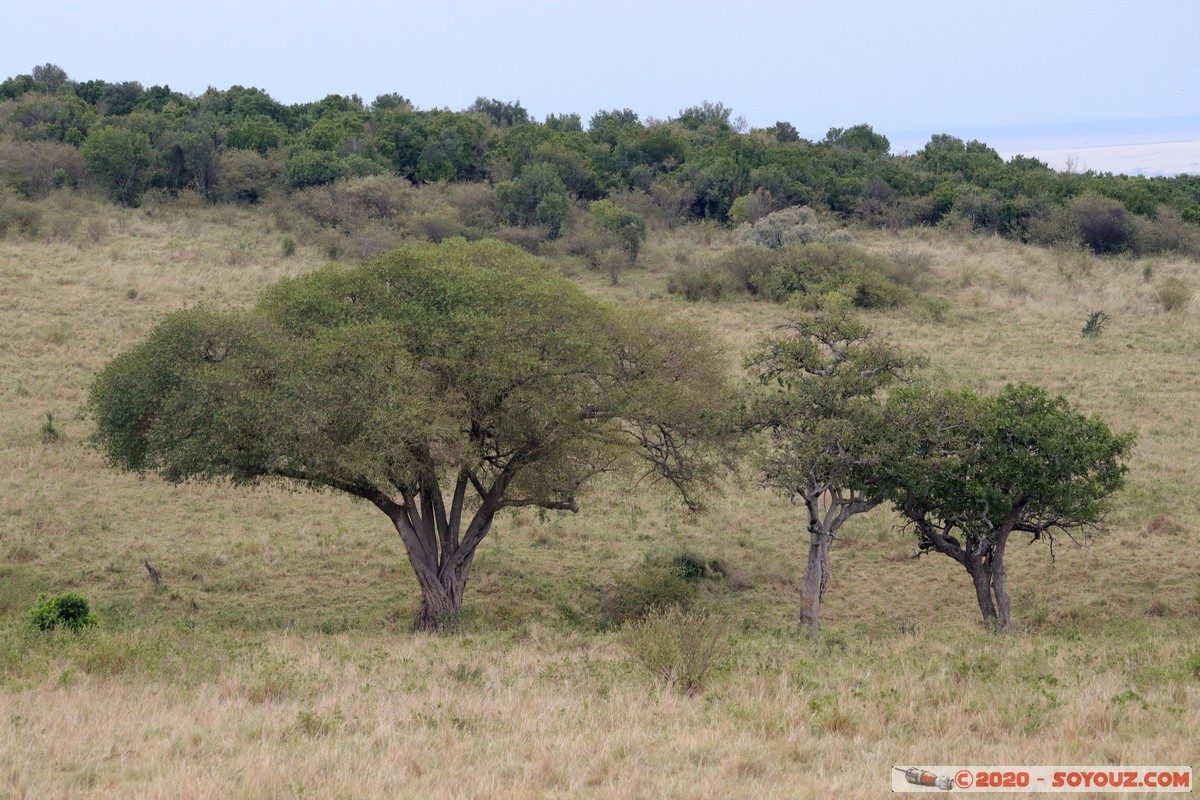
(313, 168)
(68, 610)
(1174, 294)
(795, 225)
(1095, 324)
(289, 246)
(678, 647)
(50, 433)
(698, 284)
(18, 215)
(244, 176)
(36, 168)
(637, 593)
(1103, 224)
(817, 269)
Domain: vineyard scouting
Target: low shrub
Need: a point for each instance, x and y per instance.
(817, 269)
(795, 225)
(705, 283)
(1174, 294)
(641, 591)
(68, 611)
(677, 646)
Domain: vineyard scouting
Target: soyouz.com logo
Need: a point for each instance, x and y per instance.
(1041, 779)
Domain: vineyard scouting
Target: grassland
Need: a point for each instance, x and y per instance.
(276, 661)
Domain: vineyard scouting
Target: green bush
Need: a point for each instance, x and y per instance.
(637, 593)
(677, 646)
(68, 610)
(816, 269)
(698, 284)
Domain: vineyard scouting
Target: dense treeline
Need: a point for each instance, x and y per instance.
(505, 173)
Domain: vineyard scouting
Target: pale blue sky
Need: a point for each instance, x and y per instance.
(903, 67)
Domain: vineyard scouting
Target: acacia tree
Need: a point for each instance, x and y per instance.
(440, 383)
(828, 442)
(969, 471)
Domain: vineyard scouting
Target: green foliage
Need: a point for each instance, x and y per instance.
(314, 168)
(537, 196)
(470, 365)
(289, 246)
(816, 270)
(701, 165)
(860, 138)
(679, 647)
(641, 591)
(1022, 460)
(120, 159)
(818, 383)
(257, 132)
(628, 226)
(68, 611)
(706, 283)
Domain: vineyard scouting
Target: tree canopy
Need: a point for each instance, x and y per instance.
(972, 470)
(441, 383)
(828, 438)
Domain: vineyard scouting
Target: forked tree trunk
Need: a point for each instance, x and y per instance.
(991, 586)
(816, 578)
(443, 587)
(822, 528)
(982, 580)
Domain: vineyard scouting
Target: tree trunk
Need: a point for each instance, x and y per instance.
(1000, 584)
(982, 579)
(441, 603)
(816, 578)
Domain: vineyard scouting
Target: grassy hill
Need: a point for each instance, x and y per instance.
(276, 659)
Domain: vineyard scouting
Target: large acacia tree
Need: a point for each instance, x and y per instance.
(439, 383)
(968, 471)
(819, 401)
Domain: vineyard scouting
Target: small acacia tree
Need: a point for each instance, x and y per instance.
(969, 471)
(441, 383)
(628, 226)
(818, 399)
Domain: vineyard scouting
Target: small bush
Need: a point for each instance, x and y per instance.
(1095, 324)
(698, 284)
(796, 225)
(50, 433)
(636, 594)
(68, 610)
(678, 647)
(289, 246)
(1174, 294)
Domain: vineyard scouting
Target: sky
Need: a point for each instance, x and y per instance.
(909, 69)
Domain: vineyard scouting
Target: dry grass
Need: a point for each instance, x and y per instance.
(276, 661)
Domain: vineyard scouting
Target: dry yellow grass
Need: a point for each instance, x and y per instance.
(276, 661)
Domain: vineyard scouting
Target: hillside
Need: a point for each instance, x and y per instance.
(276, 659)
